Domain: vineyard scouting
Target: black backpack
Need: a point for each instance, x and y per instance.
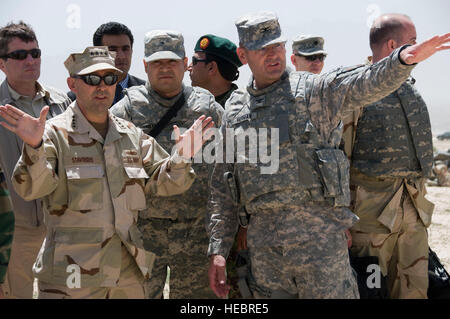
(438, 278)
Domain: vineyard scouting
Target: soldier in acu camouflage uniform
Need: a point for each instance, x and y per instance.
(93, 171)
(172, 227)
(390, 144)
(6, 230)
(298, 214)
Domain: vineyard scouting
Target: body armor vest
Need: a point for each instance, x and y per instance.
(393, 136)
(310, 169)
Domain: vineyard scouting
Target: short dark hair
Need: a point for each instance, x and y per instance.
(12, 30)
(385, 30)
(111, 28)
(228, 70)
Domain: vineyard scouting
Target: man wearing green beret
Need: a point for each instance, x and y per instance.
(215, 66)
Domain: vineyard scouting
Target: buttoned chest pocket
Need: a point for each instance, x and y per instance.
(134, 187)
(276, 166)
(78, 246)
(85, 187)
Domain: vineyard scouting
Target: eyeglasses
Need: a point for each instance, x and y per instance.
(196, 60)
(94, 80)
(312, 58)
(22, 54)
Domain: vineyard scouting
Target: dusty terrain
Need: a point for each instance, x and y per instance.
(439, 231)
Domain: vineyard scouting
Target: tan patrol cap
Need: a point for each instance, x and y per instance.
(91, 60)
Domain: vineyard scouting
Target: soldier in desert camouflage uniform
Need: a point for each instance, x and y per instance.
(390, 144)
(6, 230)
(172, 227)
(297, 214)
(93, 171)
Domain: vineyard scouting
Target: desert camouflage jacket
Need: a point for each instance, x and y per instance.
(92, 189)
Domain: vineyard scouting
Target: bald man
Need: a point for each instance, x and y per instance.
(390, 146)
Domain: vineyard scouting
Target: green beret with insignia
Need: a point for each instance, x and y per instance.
(220, 47)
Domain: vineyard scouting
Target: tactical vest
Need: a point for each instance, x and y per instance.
(393, 136)
(310, 168)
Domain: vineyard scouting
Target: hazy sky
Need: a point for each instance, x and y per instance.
(67, 26)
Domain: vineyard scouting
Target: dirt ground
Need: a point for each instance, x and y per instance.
(439, 231)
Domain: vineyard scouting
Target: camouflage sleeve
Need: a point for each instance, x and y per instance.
(120, 109)
(222, 208)
(344, 90)
(6, 230)
(34, 175)
(169, 175)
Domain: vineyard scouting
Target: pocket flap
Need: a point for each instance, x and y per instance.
(136, 172)
(78, 235)
(85, 171)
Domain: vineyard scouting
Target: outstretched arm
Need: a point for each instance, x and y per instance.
(421, 51)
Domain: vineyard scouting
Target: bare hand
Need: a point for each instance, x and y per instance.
(422, 51)
(193, 139)
(28, 128)
(2, 295)
(217, 276)
(241, 239)
(349, 238)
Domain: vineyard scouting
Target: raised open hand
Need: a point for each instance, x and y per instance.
(28, 128)
(422, 51)
(189, 143)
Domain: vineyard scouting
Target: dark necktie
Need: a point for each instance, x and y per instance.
(119, 95)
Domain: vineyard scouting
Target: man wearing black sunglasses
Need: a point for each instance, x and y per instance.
(20, 61)
(118, 38)
(94, 171)
(215, 66)
(308, 53)
(172, 227)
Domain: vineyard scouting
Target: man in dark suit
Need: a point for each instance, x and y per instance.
(118, 38)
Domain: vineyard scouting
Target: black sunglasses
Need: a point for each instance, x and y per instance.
(22, 54)
(94, 80)
(312, 58)
(195, 60)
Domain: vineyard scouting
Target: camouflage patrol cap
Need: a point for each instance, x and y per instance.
(258, 30)
(163, 44)
(91, 60)
(308, 45)
(220, 47)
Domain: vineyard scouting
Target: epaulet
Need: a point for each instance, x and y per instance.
(121, 123)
